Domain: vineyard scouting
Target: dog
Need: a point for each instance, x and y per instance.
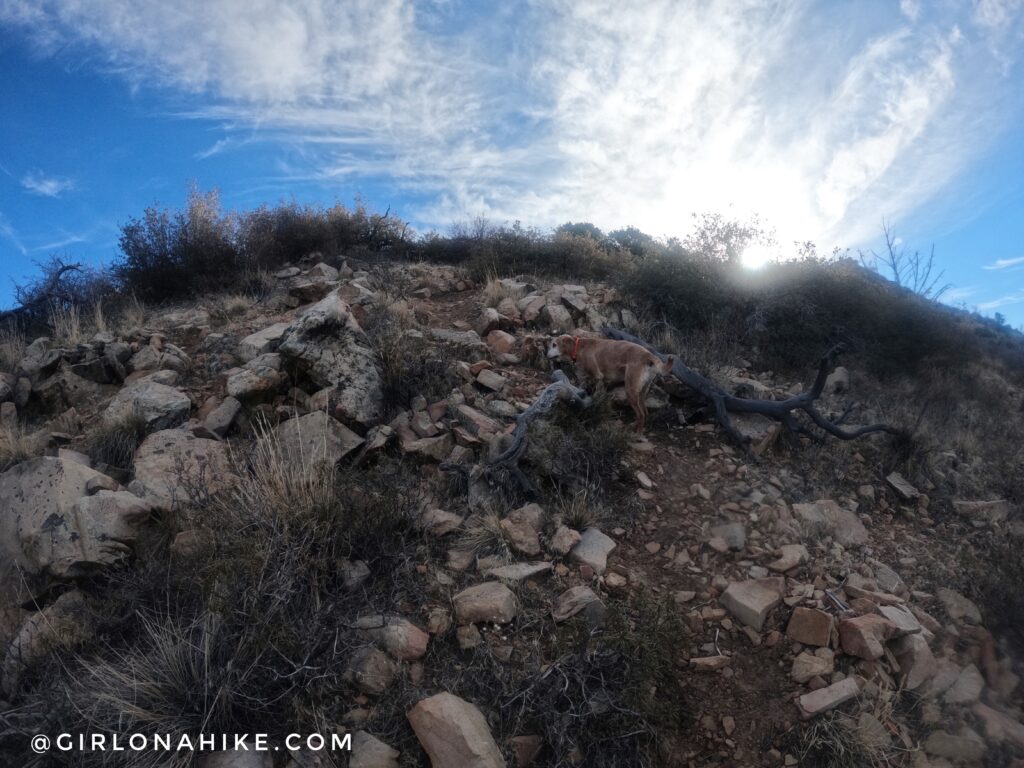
(608, 362)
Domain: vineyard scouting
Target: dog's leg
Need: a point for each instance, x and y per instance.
(635, 396)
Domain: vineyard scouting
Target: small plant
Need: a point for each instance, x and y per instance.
(495, 291)
(114, 442)
(582, 509)
(483, 535)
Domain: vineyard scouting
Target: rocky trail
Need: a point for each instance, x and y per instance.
(795, 598)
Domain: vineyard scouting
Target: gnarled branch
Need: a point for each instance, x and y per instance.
(782, 411)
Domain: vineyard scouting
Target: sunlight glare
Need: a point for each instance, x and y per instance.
(756, 256)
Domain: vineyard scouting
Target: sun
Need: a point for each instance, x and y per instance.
(756, 256)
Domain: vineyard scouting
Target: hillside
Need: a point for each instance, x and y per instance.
(267, 504)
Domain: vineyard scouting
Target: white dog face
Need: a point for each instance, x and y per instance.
(553, 350)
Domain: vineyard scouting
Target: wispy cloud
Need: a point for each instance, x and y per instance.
(48, 186)
(814, 115)
(959, 295)
(1003, 301)
(8, 232)
(1005, 263)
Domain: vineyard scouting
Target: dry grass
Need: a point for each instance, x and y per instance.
(495, 291)
(133, 315)
(12, 348)
(99, 318)
(581, 510)
(114, 442)
(66, 324)
(17, 446)
(483, 536)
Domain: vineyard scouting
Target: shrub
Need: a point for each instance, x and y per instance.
(12, 347)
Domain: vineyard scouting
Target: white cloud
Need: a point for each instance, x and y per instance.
(1002, 301)
(819, 117)
(1004, 263)
(48, 186)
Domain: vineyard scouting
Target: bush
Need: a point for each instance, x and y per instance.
(114, 442)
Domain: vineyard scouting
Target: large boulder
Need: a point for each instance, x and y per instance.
(51, 527)
(159, 405)
(315, 438)
(173, 467)
(454, 733)
(327, 344)
(66, 389)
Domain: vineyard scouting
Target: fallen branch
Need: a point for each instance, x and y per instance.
(559, 391)
(782, 411)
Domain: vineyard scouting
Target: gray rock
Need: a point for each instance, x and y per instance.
(752, 601)
(824, 699)
(258, 343)
(159, 405)
(370, 752)
(826, 518)
(491, 601)
(454, 733)
(315, 438)
(593, 549)
(174, 467)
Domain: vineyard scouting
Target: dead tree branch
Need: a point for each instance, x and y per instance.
(782, 411)
(40, 295)
(559, 391)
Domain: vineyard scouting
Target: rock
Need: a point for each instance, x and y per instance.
(160, 406)
(790, 556)
(903, 619)
(167, 358)
(220, 419)
(865, 636)
(709, 663)
(998, 726)
(838, 382)
(958, 607)
(65, 389)
(491, 601)
(454, 733)
(399, 637)
(917, 664)
(572, 601)
(557, 318)
(262, 342)
(62, 624)
(500, 342)
(353, 574)
(968, 748)
(810, 626)
(525, 749)
(521, 531)
(989, 511)
(370, 752)
(593, 549)
(258, 381)
(468, 637)
(440, 522)
(429, 448)
(902, 486)
(491, 380)
(563, 540)
(371, 671)
(51, 528)
(825, 699)
(173, 466)
(468, 343)
(315, 438)
(246, 757)
(329, 347)
(826, 518)
(733, 534)
(475, 422)
(751, 601)
(807, 665)
(323, 272)
(967, 688)
(518, 571)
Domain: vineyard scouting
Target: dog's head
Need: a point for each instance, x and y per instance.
(559, 346)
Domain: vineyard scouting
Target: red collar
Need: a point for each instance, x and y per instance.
(575, 349)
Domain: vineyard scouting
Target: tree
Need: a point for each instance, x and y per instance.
(912, 271)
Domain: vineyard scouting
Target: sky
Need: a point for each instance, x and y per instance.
(825, 119)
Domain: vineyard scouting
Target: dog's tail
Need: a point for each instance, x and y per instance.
(666, 367)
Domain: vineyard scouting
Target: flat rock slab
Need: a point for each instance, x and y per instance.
(173, 465)
(159, 405)
(593, 550)
(315, 438)
(865, 636)
(917, 664)
(518, 571)
(572, 601)
(824, 699)
(751, 601)
(454, 733)
(263, 341)
(810, 626)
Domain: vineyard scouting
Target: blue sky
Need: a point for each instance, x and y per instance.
(822, 117)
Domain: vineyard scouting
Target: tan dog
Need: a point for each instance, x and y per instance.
(609, 362)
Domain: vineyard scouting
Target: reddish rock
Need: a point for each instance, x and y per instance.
(810, 626)
(865, 636)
